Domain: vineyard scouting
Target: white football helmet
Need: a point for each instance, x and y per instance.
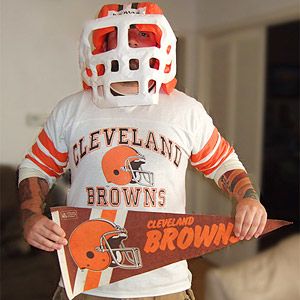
(100, 68)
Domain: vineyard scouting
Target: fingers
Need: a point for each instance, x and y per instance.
(262, 225)
(252, 225)
(245, 222)
(250, 219)
(44, 234)
(52, 226)
(45, 243)
(42, 247)
(239, 220)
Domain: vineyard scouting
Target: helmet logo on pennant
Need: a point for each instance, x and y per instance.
(99, 244)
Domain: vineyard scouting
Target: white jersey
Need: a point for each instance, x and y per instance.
(164, 137)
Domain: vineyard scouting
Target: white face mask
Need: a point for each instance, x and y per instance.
(165, 55)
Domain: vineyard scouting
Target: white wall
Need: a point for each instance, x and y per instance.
(39, 64)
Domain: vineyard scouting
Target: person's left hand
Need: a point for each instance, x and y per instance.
(250, 219)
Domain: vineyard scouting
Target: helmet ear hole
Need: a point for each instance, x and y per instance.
(90, 254)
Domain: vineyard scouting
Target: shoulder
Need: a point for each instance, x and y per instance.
(67, 109)
(74, 100)
(182, 102)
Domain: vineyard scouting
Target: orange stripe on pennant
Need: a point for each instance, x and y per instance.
(109, 215)
(48, 144)
(93, 278)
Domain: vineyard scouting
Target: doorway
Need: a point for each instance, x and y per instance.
(280, 169)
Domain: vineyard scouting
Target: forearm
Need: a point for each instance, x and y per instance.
(237, 184)
(250, 215)
(32, 193)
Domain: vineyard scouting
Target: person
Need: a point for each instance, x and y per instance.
(127, 138)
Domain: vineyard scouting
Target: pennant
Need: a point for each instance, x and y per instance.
(105, 246)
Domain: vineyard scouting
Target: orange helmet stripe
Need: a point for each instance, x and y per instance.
(93, 278)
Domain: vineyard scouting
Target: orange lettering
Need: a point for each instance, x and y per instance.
(153, 241)
(233, 239)
(170, 234)
(204, 236)
(150, 224)
(185, 237)
(223, 234)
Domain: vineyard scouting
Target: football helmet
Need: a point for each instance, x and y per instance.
(98, 244)
(100, 68)
(123, 165)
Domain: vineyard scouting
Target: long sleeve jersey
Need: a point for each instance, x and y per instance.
(131, 158)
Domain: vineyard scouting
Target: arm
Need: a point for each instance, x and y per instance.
(39, 231)
(250, 215)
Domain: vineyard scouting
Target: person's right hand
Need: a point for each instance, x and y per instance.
(43, 233)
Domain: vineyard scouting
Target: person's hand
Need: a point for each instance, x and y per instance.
(43, 233)
(250, 219)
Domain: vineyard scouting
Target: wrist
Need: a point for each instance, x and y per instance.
(248, 195)
(251, 194)
(28, 215)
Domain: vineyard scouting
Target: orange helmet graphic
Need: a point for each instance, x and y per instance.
(98, 244)
(123, 165)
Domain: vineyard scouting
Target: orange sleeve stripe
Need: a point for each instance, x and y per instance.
(224, 147)
(93, 278)
(209, 171)
(45, 159)
(48, 144)
(43, 167)
(210, 145)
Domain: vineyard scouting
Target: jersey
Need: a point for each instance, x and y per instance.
(159, 141)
